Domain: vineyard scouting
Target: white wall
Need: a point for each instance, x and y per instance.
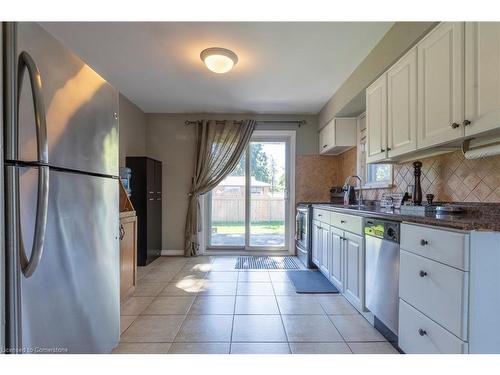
(172, 142)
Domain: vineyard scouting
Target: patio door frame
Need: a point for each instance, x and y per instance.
(289, 137)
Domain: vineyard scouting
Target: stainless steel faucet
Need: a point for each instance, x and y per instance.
(360, 194)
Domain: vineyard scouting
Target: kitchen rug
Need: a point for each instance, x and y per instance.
(265, 263)
(307, 281)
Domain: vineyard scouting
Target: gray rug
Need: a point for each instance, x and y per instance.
(265, 262)
(307, 281)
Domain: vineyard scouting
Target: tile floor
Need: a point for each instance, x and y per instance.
(202, 305)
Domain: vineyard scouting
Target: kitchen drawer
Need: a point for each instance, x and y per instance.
(420, 335)
(451, 248)
(438, 291)
(321, 215)
(350, 223)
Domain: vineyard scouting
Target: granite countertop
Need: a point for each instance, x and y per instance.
(480, 217)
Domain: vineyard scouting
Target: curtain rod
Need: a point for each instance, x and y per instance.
(298, 122)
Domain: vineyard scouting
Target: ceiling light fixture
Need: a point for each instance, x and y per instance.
(219, 60)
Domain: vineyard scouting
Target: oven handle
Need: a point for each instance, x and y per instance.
(298, 232)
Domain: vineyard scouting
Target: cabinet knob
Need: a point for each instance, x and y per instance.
(454, 125)
(422, 332)
(342, 221)
(382, 150)
(422, 273)
(423, 242)
(324, 146)
(466, 123)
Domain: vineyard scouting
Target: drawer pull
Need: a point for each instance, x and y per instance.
(422, 332)
(319, 215)
(422, 273)
(424, 242)
(342, 221)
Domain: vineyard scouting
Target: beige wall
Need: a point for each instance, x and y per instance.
(132, 130)
(349, 98)
(172, 142)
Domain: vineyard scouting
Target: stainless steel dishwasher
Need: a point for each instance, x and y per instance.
(382, 274)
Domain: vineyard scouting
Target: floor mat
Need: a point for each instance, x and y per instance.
(310, 282)
(265, 262)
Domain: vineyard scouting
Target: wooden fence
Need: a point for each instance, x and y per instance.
(233, 209)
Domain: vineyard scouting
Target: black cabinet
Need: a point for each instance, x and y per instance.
(146, 197)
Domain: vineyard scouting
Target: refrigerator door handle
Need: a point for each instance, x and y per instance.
(26, 62)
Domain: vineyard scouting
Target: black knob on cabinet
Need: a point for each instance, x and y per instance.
(422, 273)
(422, 332)
(466, 123)
(454, 125)
(424, 242)
(382, 150)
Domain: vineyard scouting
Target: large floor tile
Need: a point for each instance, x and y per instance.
(310, 328)
(158, 276)
(126, 321)
(135, 305)
(148, 289)
(336, 305)
(227, 276)
(256, 305)
(255, 289)
(169, 305)
(188, 275)
(142, 348)
(198, 267)
(213, 305)
(259, 348)
(301, 304)
(199, 348)
(153, 328)
(284, 288)
(372, 348)
(319, 348)
(258, 328)
(279, 276)
(356, 328)
(205, 328)
(215, 288)
(254, 276)
(182, 288)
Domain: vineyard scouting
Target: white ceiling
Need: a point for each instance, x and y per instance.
(284, 67)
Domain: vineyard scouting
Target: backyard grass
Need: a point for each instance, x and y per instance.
(271, 227)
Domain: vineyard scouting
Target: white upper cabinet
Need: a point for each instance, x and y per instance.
(482, 77)
(441, 85)
(337, 136)
(376, 120)
(402, 105)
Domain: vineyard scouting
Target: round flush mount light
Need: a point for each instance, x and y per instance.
(219, 60)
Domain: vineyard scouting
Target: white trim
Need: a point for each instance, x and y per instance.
(172, 252)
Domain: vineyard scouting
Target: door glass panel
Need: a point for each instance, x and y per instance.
(268, 185)
(227, 214)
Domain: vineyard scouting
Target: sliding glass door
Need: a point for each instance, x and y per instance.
(249, 210)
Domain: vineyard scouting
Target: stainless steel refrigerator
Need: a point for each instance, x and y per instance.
(60, 155)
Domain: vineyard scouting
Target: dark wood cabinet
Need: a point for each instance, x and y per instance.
(146, 185)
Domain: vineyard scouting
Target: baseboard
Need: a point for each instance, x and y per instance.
(172, 252)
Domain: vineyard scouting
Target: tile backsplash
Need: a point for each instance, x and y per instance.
(450, 177)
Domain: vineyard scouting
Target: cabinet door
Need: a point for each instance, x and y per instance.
(158, 177)
(327, 137)
(315, 245)
(150, 176)
(376, 120)
(336, 259)
(128, 253)
(324, 264)
(440, 85)
(402, 105)
(354, 266)
(482, 76)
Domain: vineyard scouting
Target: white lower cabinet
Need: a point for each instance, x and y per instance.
(336, 264)
(339, 255)
(354, 267)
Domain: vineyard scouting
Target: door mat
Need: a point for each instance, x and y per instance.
(265, 262)
(310, 282)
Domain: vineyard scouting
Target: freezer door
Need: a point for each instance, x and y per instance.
(71, 302)
(81, 107)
